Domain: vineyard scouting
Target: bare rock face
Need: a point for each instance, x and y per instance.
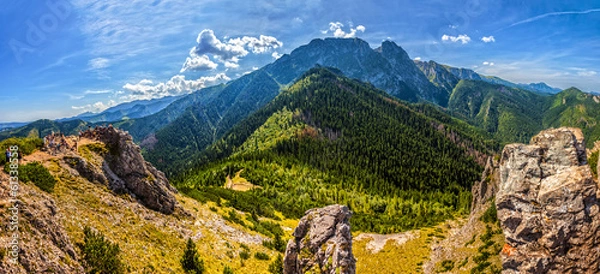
(485, 189)
(43, 244)
(322, 243)
(127, 171)
(547, 206)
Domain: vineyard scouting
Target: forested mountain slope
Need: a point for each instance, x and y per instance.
(328, 139)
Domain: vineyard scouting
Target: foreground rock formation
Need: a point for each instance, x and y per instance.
(124, 170)
(321, 243)
(547, 206)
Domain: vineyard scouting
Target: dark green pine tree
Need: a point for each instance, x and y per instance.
(190, 261)
(276, 267)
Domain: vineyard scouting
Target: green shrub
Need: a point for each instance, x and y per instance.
(277, 243)
(446, 265)
(593, 162)
(261, 256)
(276, 267)
(100, 255)
(490, 215)
(38, 174)
(26, 146)
(244, 254)
(190, 261)
(227, 270)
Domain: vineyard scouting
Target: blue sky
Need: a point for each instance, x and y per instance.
(59, 58)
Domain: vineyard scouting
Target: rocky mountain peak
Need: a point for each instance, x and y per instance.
(547, 205)
(390, 47)
(321, 243)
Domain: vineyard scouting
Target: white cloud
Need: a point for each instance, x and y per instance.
(229, 53)
(336, 29)
(487, 63)
(276, 55)
(198, 63)
(231, 65)
(102, 91)
(488, 39)
(177, 85)
(98, 63)
(95, 107)
(297, 21)
(417, 59)
(587, 73)
(262, 44)
(208, 43)
(463, 38)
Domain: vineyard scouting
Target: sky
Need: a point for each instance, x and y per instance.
(59, 58)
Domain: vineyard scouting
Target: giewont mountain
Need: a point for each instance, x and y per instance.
(214, 112)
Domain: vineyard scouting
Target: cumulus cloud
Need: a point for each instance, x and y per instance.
(486, 63)
(463, 38)
(198, 63)
(262, 44)
(208, 43)
(276, 55)
(231, 65)
(336, 29)
(98, 63)
(227, 52)
(417, 59)
(177, 85)
(488, 39)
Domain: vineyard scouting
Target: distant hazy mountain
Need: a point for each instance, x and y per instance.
(129, 110)
(540, 87)
(441, 76)
(44, 127)
(9, 125)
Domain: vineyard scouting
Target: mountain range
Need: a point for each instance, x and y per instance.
(409, 147)
(189, 124)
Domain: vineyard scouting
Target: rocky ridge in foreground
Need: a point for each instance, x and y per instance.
(547, 205)
(321, 243)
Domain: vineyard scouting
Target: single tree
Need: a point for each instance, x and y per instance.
(190, 261)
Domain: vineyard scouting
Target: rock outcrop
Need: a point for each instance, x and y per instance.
(321, 243)
(43, 244)
(547, 206)
(485, 189)
(127, 171)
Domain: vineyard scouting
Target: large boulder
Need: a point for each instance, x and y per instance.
(547, 205)
(321, 243)
(128, 172)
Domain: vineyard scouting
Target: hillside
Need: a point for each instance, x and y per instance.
(54, 215)
(328, 139)
(44, 127)
(73, 189)
(574, 108)
(199, 125)
(509, 114)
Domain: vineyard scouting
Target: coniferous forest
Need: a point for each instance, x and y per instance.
(328, 139)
